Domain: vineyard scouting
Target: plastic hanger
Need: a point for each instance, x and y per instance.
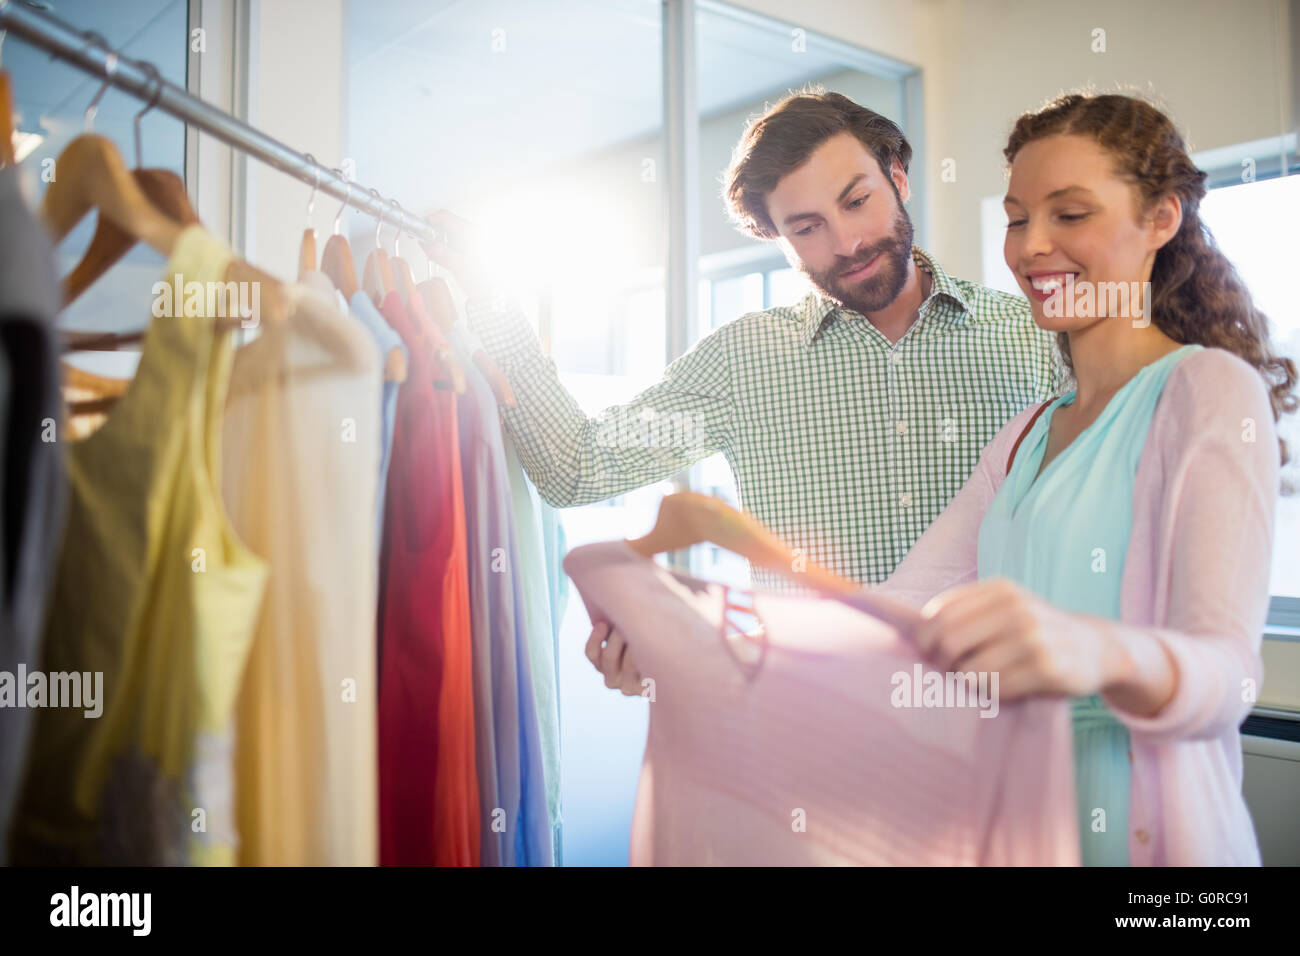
(336, 260)
(166, 192)
(307, 249)
(377, 277)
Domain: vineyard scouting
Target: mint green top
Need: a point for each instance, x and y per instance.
(1064, 535)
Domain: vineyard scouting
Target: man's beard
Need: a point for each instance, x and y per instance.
(879, 290)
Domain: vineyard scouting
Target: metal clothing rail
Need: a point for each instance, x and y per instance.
(89, 52)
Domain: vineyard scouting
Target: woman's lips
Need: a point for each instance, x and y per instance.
(1042, 286)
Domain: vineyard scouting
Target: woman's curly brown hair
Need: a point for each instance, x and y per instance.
(1197, 296)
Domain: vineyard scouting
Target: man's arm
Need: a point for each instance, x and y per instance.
(574, 459)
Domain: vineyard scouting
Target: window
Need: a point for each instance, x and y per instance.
(747, 62)
(723, 300)
(50, 102)
(1250, 223)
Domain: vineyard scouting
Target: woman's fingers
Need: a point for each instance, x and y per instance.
(611, 660)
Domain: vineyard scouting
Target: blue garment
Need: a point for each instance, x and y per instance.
(387, 339)
(1064, 535)
(537, 621)
(507, 734)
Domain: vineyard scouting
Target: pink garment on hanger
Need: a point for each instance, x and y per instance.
(792, 751)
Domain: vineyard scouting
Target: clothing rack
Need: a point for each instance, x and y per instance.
(89, 52)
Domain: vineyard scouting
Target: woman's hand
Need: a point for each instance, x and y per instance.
(997, 626)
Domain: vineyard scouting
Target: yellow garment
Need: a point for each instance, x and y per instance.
(153, 589)
(301, 458)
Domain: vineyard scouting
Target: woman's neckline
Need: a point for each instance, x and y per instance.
(1068, 399)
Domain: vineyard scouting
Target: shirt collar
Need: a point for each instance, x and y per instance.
(819, 310)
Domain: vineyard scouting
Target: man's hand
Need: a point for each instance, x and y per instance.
(609, 653)
(462, 251)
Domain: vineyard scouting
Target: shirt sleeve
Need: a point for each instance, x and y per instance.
(946, 555)
(1213, 543)
(574, 459)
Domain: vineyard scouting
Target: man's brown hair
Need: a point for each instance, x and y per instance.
(781, 140)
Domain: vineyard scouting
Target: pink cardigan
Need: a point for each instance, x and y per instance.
(1196, 578)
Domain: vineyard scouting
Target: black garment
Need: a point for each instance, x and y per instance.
(31, 467)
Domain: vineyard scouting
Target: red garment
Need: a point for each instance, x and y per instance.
(428, 786)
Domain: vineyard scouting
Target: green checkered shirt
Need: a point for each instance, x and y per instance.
(842, 444)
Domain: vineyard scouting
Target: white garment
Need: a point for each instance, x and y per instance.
(301, 460)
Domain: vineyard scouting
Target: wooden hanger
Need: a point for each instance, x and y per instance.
(307, 248)
(437, 299)
(165, 191)
(377, 276)
(336, 260)
(6, 121)
(92, 175)
(396, 361)
(401, 270)
(402, 280)
(687, 518)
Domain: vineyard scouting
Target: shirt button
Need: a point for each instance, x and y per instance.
(1143, 837)
(896, 358)
(905, 499)
(900, 428)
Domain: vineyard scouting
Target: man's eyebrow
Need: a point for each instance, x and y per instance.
(1052, 195)
(794, 217)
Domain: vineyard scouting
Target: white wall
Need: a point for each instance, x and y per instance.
(295, 95)
(1224, 70)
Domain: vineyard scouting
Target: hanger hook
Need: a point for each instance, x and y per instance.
(379, 217)
(110, 68)
(157, 81)
(311, 202)
(346, 197)
(398, 224)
